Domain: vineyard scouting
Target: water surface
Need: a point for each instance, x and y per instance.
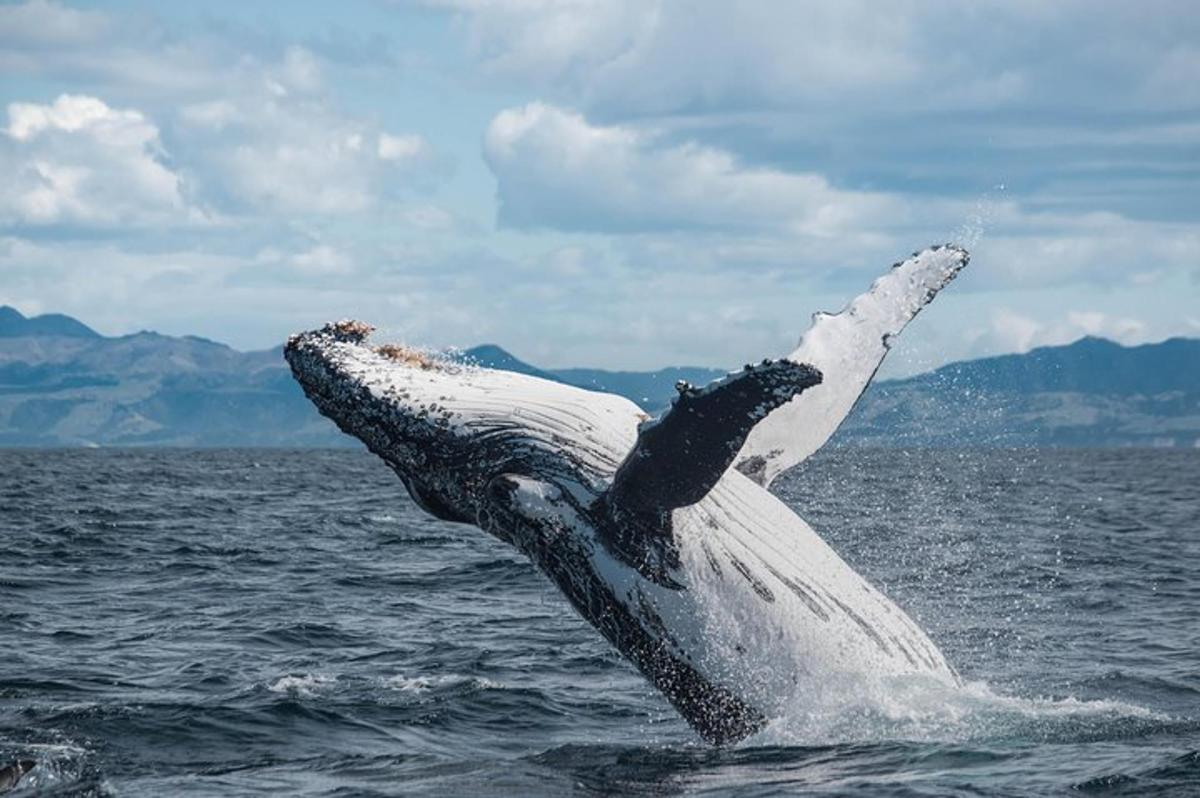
(205, 622)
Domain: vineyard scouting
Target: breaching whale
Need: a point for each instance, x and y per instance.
(660, 532)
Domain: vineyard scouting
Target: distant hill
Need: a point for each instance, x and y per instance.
(63, 384)
(14, 325)
(1089, 393)
(652, 390)
(1090, 365)
(491, 356)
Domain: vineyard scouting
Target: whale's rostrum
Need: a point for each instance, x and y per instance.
(660, 532)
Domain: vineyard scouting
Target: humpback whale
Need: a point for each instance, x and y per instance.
(660, 532)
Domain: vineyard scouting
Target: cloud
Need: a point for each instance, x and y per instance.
(212, 114)
(429, 217)
(1077, 102)
(79, 162)
(681, 205)
(1175, 79)
(1099, 250)
(409, 147)
(624, 57)
(323, 259)
(655, 57)
(42, 23)
(253, 126)
(26, 120)
(554, 169)
(1012, 331)
(255, 301)
(692, 181)
(278, 144)
(148, 53)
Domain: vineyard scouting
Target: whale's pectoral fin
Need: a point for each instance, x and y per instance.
(679, 457)
(848, 348)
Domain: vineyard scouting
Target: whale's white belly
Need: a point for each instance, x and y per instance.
(769, 610)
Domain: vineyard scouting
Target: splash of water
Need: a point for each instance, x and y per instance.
(920, 709)
(972, 229)
(305, 686)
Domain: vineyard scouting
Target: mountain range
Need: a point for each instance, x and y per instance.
(63, 384)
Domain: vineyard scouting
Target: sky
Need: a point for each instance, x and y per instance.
(611, 184)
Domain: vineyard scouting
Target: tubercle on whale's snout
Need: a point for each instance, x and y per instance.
(346, 330)
(319, 361)
(353, 332)
(325, 362)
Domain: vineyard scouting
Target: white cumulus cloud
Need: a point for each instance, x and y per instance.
(41, 23)
(78, 161)
(1012, 331)
(402, 148)
(278, 145)
(555, 169)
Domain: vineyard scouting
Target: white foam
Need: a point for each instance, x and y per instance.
(306, 686)
(919, 709)
(421, 684)
(410, 684)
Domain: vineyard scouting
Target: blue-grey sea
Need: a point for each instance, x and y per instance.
(287, 622)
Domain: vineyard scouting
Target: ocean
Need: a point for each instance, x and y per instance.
(243, 622)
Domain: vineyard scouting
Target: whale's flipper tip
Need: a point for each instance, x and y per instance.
(848, 347)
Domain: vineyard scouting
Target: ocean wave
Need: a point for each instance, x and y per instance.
(918, 709)
(306, 685)
(333, 652)
(422, 684)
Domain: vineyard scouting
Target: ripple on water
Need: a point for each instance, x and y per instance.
(288, 623)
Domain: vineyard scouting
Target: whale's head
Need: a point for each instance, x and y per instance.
(449, 428)
(396, 401)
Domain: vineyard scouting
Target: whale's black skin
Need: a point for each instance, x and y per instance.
(595, 499)
(719, 716)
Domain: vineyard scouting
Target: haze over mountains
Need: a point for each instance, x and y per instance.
(63, 384)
